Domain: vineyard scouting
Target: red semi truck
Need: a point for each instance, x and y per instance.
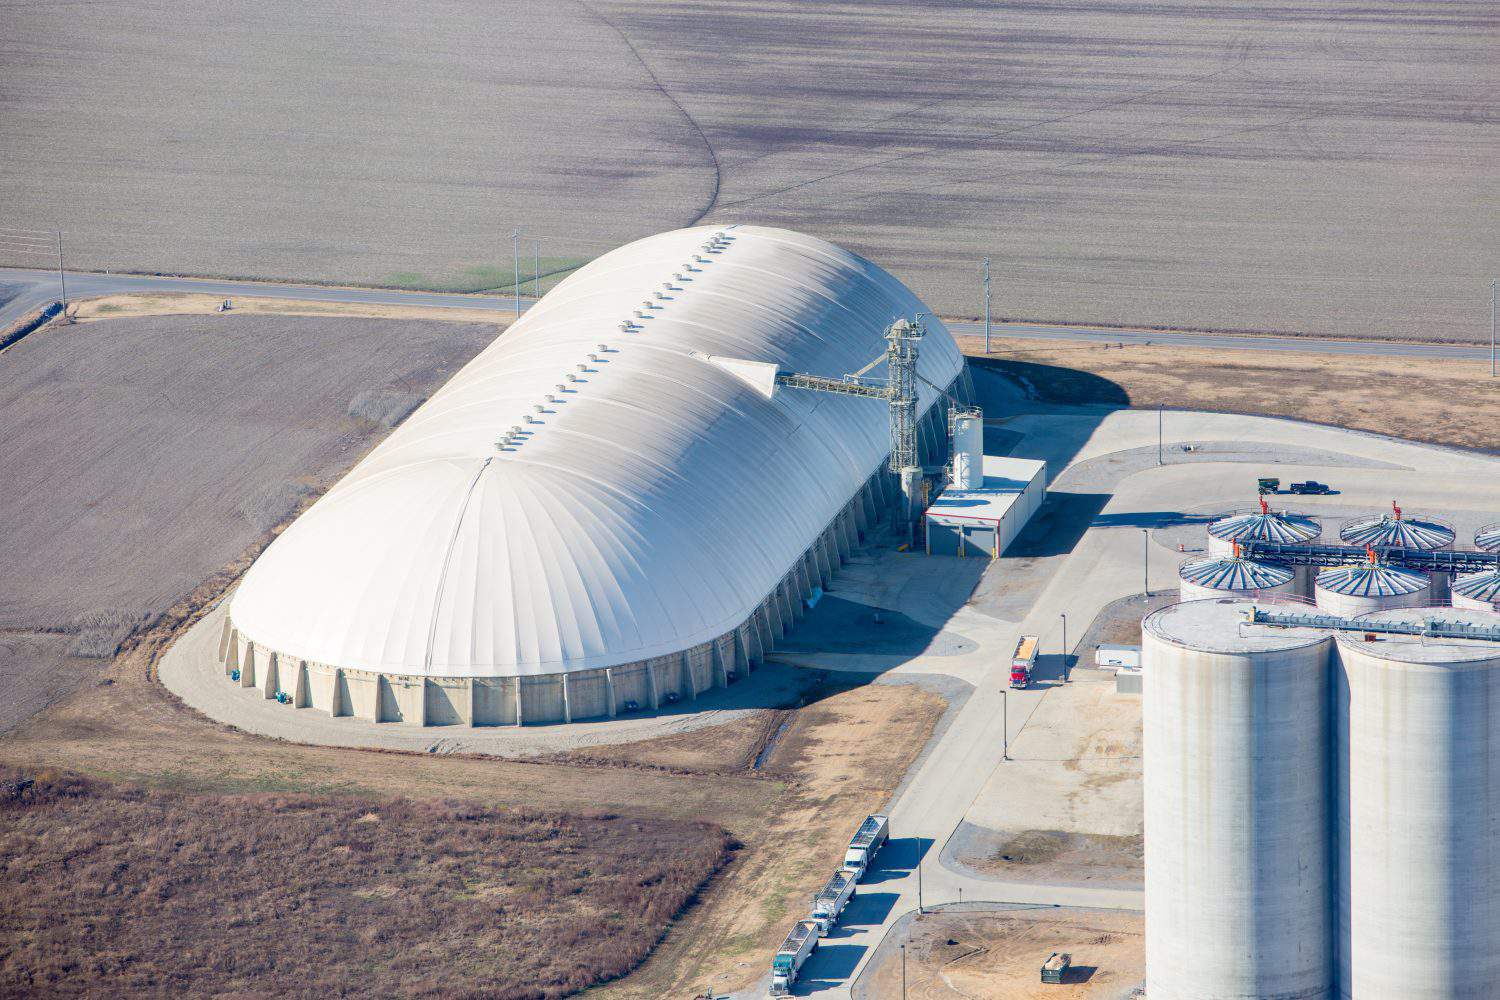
(1023, 661)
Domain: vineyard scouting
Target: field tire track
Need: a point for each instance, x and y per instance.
(713, 156)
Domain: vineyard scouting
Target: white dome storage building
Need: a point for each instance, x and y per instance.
(600, 511)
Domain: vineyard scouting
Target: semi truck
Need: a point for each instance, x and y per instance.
(1023, 661)
(831, 900)
(872, 833)
(787, 965)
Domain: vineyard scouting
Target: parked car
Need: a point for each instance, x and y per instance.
(1312, 486)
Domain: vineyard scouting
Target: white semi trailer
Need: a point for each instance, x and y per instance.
(785, 967)
(830, 902)
(872, 833)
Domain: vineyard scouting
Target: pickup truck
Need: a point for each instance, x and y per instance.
(1312, 486)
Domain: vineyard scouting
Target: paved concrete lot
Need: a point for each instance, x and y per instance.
(142, 456)
(1324, 167)
(1071, 796)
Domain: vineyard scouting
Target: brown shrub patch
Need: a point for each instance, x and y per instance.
(127, 891)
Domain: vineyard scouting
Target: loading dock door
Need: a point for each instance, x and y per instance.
(979, 540)
(943, 539)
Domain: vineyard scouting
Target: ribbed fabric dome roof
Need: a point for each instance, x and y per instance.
(1482, 586)
(1398, 532)
(1234, 574)
(651, 508)
(1488, 538)
(1272, 526)
(1366, 580)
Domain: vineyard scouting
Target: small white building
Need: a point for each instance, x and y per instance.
(985, 520)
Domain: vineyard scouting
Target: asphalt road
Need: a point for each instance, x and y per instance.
(34, 289)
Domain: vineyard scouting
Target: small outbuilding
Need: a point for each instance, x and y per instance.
(985, 520)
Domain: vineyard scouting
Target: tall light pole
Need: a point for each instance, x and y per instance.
(1160, 421)
(986, 305)
(536, 270)
(1064, 618)
(1145, 563)
(515, 238)
(903, 972)
(919, 876)
(1004, 726)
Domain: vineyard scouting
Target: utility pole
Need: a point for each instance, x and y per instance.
(1492, 327)
(903, 972)
(986, 305)
(515, 238)
(536, 270)
(62, 277)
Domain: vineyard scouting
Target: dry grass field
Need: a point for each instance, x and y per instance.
(1442, 402)
(837, 760)
(1324, 167)
(140, 892)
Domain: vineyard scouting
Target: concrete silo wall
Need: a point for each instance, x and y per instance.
(1418, 801)
(1236, 813)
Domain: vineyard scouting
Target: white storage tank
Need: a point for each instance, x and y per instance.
(1356, 590)
(1478, 591)
(968, 450)
(1237, 733)
(1214, 576)
(1487, 538)
(1417, 744)
(1425, 534)
(1263, 525)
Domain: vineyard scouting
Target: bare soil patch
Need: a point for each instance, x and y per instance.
(157, 892)
(188, 304)
(1058, 856)
(999, 954)
(1437, 401)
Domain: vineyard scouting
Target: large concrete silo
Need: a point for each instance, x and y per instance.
(1217, 576)
(1236, 742)
(1351, 591)
(1478, 591)
(1417, 757)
